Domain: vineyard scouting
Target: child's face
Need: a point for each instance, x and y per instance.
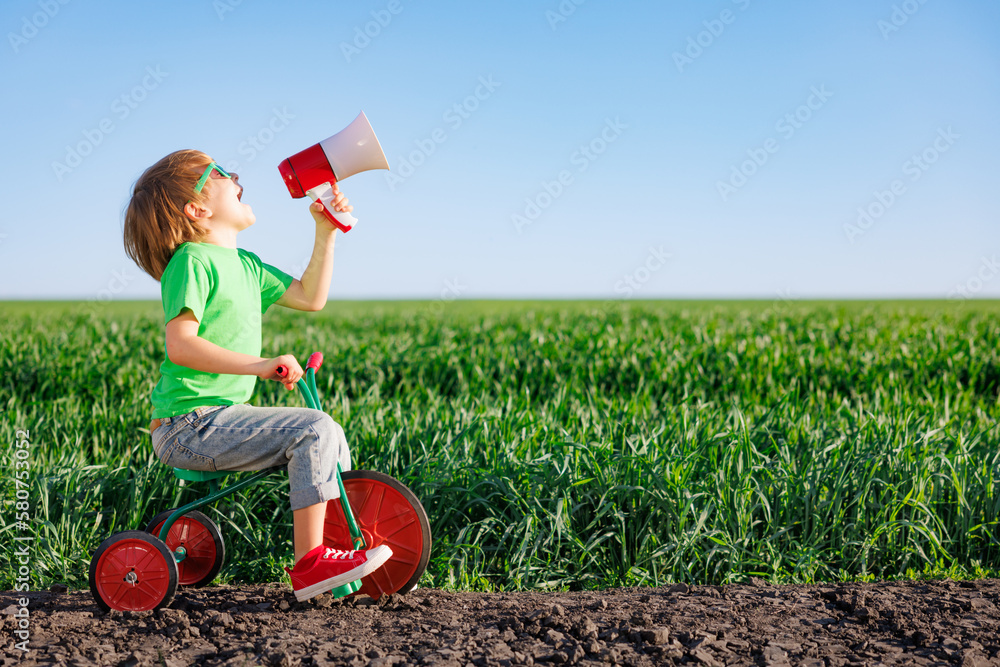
(223, 198)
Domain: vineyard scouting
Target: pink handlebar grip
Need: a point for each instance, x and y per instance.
(281, 371)
(315, 360)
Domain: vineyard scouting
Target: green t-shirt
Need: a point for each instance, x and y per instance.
(227, 290)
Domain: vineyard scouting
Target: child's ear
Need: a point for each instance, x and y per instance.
(196, 212)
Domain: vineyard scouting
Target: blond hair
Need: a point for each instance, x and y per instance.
(155, 222)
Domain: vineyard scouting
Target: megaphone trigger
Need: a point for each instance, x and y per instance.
(324, 194)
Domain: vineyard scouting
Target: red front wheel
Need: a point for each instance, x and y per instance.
(387, 513)
(133, 571)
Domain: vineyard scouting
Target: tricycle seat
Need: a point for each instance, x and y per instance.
(200, 475)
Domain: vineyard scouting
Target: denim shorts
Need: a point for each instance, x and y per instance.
(244, 437)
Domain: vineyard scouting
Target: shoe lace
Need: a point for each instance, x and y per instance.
(338, 553)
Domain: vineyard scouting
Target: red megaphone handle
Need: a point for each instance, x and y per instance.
(343, 220)
(329, 216)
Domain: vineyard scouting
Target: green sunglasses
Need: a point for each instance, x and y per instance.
(204, 177)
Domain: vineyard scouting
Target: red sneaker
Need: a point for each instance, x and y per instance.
(324, 568)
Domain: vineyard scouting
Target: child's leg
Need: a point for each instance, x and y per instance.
(310, 443)
(308, 529)
(243, 437)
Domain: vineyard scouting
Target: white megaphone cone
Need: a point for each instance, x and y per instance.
(313, 172)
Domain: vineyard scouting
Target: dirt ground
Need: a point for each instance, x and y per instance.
(943, 622)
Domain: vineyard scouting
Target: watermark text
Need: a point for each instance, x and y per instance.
(914, 167)
(454, 117)
(21, 558)
(786, 126)
(121, 108)
(581, 158)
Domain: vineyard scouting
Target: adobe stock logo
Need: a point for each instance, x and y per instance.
(793, 121)
(915, 167)
(452, 290)
(581, 158)
(30, 27)
(122, 107)
(372, 29)
(256, 143)
(223, 7)
(988, 270)
(454, 116)
(642, 274)
(565, 9)
(899, 17)
(698, 43)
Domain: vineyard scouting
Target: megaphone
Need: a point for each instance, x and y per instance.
(313, 172)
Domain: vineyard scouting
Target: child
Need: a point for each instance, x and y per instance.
(180, 227)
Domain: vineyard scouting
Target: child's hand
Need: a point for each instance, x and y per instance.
(340, 204)
(293, 371)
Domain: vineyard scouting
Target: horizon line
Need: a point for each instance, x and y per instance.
(805, 299)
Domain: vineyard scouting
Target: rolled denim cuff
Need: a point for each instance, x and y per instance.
(312, 495)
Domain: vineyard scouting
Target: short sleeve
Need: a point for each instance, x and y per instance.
(273, 283)
(186, 283)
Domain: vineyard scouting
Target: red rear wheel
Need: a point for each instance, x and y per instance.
(133, 571)
(387, 513)
(202, 540)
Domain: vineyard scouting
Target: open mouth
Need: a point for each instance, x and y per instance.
(239, 195)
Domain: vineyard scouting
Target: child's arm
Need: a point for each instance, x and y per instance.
(186, 348)
(310, 293)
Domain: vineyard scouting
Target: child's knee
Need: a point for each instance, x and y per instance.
(332, 438)
(326, 428)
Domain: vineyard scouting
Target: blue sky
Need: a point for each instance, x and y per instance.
(725, 148)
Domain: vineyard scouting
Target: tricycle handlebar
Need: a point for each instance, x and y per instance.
(315, 361)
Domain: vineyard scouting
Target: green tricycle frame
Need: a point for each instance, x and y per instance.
(141, 570)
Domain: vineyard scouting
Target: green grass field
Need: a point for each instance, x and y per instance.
(558, 444)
